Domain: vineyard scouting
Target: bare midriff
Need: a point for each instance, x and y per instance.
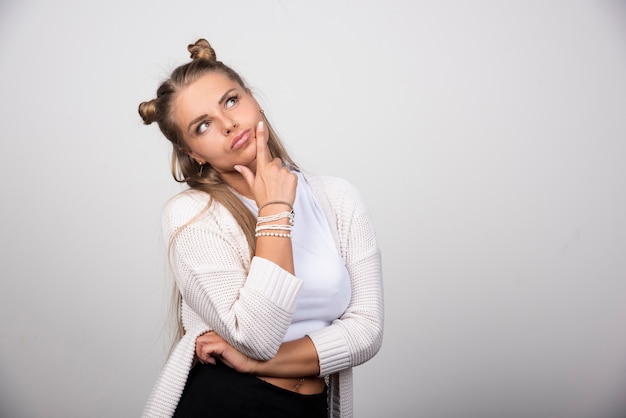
(311, 385)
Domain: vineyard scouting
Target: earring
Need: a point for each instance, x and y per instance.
(262, 112)
(201, 167)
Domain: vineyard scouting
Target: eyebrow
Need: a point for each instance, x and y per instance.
(225, 96)
(196, 120)
(202, 117)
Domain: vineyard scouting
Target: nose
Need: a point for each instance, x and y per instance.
(229, 126)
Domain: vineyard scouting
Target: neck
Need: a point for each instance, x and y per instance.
(238, 183)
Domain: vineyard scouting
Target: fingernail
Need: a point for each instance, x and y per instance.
(237, 168)
(261, 125)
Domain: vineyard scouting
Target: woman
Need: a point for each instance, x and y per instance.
(278, 270)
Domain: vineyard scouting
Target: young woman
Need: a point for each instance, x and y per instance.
(278, 271)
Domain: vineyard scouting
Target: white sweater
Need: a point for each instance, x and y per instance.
(250, 302)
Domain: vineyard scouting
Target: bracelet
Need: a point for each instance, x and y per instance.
(273, 227)
(278, 216)
(273, 202)
(272, 234)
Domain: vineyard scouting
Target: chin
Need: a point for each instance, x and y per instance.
(248, 158)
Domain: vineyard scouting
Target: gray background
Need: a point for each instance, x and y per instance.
(487, 137)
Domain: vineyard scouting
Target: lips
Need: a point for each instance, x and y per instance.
(240, 140)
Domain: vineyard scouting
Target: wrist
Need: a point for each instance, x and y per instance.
(280, 204)
(275, 225)
(254, 367)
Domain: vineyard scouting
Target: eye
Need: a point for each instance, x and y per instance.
(231, 101)
(202, 128)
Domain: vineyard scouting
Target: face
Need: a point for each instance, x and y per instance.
(218, 118)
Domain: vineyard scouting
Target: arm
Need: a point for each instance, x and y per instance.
(356, 336)
(209, 258)
(295, 358)
(225, 290)
(275, 183)
(348, 341)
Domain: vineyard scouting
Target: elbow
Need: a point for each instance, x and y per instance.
(377, 342)
(371, 340)
(258, 349)
(372, 344)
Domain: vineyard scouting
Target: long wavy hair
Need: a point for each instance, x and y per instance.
(184, 168)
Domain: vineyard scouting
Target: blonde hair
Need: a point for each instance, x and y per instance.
(184, 168)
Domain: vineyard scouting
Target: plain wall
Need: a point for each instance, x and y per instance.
(487, 137)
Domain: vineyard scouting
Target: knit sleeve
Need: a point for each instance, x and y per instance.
(248, 303)
(356, 336)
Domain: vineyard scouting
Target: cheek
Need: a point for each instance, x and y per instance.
(211, 146)
(252, 108)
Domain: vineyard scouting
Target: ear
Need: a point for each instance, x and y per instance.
(195, 157)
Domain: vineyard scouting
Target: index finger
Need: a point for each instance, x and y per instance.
(262, 151)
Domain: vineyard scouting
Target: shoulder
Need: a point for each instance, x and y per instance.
(185, 206)
(339, 192)
(331, 185)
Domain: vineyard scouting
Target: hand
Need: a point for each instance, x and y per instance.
(272, 181)
(210, 347)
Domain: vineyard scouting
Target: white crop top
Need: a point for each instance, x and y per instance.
(325, 293)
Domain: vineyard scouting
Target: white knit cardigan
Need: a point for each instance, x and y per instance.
(250, 302)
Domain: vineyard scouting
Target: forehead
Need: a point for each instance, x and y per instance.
(202, 95)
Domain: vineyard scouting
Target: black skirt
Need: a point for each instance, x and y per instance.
(221, 392)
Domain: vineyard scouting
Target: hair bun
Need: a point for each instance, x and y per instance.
(147, 111)
(202, 50)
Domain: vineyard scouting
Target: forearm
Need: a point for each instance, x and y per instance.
(296, 358)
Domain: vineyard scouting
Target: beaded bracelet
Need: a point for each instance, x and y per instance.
(273, 227)
(272, 234)
(274, 202)
(278, 216)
